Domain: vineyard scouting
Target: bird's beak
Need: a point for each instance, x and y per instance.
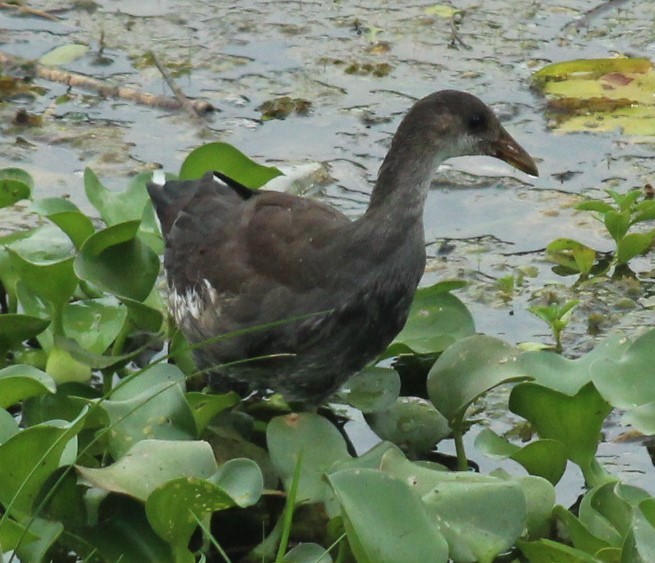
(507, 149)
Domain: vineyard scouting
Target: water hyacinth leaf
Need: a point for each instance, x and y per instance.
(624, 377)
(581, 537)
(548, 551)
(19, 175)
(436, 320)
(15, 328)
(307, 553)
(64, 54)
(373, 389)
(116, 261)
(53, 281)
(19, 382)
(118, 207)
(13, 534)
(47, 533)
(63, 367)
(543, 458)
(142, 315)
(575, 421)
(149, 230)
(480, 516)
(633, 244)
(172, 510)
(469, 368)
(225, 158)
(607, 514)
(205, 407)
(150, 464)
(92, 360)
(642, 418)
(39, 449)
(569, 376)
(643, 530)
(126, 535)
(320, 444)
(540, 499)
(571, 254)
(12, 190)
(8, 426)
(149, 406)
(94, 323)
(402, 532)
(411, 423)
(67, 216)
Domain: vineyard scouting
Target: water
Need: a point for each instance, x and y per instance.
(239, 54)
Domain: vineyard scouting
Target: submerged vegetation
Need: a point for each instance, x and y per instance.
(111, 450)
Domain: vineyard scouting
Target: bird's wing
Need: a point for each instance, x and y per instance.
(264, 254)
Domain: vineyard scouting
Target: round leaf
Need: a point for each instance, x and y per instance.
(224, 158)
(373, 389)
(402, 531)
(20, 382)
(469, 368)
(115, 260)
(150, 464)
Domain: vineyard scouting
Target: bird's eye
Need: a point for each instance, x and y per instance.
(476, 122)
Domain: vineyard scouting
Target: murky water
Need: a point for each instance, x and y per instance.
(239, 54)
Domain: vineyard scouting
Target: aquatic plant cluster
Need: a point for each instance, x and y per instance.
(111, 449)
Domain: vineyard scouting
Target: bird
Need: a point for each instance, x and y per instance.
(283, 293)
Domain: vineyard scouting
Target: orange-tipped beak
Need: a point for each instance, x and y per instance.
(507, 149)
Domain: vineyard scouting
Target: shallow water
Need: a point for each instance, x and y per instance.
(490, 219)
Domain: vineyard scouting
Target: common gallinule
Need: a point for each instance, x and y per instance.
(328, 294)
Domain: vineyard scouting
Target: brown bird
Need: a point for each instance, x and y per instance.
(328, 294)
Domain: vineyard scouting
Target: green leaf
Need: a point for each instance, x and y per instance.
(544, 458)
(575, 421)
(624, 377)
(118, 207)
(205, 407)
(307, 553)
(403, 530)
(597, 205)
(372, 389)
(8, 427)
(580, 535)
(39, 450)
(479, 516)
(436, 320)
(174, 508)
(12, 189)
(149, 406)
(19, 382)
(571, 254)
(94, 323)
(548, 551)
(53, 281)
(317, 440)
(16, 328)
(118, 262)
(125, 536)
(468, 369)
(224, 158)
(67, 217)
(617, 224)
(411, 423)
(633, 244)
(152, 463)
(643, 530)
(13, 534)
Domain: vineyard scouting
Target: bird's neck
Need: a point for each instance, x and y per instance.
(403, 183)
